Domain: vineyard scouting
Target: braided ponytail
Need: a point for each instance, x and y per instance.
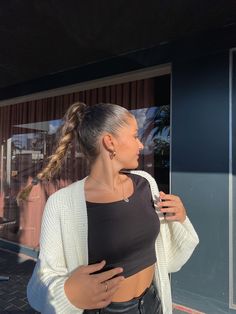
(71, 120)
(86, 124)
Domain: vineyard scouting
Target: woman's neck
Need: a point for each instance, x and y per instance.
(106, 173)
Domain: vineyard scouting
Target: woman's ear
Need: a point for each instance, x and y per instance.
(108, 142)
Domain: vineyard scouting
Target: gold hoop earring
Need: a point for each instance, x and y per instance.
(112, 154)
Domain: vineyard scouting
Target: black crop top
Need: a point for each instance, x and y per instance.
(124, 233)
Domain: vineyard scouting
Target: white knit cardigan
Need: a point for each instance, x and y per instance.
(64, 247)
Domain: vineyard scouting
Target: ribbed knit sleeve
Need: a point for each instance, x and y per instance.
(180, 240)
(45, 290)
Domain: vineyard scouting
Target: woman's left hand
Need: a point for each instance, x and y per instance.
(172, 206)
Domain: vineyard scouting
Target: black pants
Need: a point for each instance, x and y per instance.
(148, 303)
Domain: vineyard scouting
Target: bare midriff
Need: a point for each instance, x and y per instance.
(134, 285)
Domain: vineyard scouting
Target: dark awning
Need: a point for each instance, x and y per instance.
(44, 37)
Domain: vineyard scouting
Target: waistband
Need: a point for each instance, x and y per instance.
(119, 307)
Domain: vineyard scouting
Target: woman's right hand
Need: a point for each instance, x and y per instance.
(86, 290)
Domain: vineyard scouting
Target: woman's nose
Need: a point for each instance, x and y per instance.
(140, 145)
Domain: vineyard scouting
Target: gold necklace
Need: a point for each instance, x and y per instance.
(126, 199)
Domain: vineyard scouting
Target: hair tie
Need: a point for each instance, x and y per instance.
(35, 181)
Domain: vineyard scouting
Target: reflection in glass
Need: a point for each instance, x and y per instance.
(28, 136)
(154, 133)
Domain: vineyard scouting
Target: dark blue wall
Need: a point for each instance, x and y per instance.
(200, 165)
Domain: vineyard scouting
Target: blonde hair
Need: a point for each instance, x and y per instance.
(85, 124)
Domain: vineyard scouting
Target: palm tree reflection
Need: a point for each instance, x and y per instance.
(154, 126)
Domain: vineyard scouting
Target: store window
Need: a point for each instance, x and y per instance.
(29, 132)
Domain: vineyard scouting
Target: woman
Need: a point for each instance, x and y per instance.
(103, 247)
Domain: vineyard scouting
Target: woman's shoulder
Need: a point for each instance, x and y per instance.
(64, 193)
(65, 202)
(152, 182)
(141, 173)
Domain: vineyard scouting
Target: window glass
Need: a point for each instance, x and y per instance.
(28, 136)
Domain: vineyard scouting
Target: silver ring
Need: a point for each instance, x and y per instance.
(106, 286)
